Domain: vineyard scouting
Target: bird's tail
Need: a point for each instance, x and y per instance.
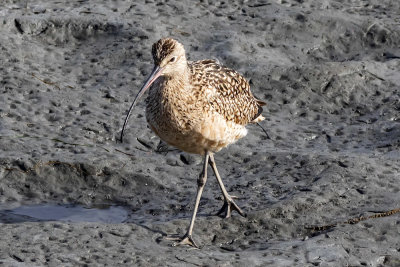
(260, 103)
(258, 117)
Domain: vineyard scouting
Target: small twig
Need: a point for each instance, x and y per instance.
(326, 84)
(120, 151)
(144, 143)
(46, 82)
(374, 75)
(66, 143)
(176, 256)
(74, 144)
(181, 32)
(352, 220)
(90, 12)
(369, 28)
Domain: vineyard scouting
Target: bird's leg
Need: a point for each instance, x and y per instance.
(201, 182)
(229, 204)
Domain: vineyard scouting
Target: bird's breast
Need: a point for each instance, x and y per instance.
(186, 120)
(171, 113)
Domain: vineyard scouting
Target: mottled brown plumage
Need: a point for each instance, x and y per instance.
(199, 107)
(202, 107)
(230, 92)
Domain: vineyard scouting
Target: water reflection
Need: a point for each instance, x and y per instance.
(68, 213)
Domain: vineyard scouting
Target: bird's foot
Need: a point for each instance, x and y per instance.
(229, 206)
(185, 240)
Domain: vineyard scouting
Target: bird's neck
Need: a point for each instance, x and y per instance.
(172, 103)
(177, 86)
(178, 103)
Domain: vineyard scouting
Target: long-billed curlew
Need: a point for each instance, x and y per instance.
(199, 107)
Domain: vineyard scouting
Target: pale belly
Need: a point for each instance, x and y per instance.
(210, 133)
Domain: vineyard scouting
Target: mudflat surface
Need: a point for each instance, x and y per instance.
(329, 71)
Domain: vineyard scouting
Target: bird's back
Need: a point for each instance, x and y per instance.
(226, 91)
(207, 112)
(224, 106)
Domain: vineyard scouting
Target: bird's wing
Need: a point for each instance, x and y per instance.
(227, 91)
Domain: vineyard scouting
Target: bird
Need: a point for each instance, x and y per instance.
(198, 107)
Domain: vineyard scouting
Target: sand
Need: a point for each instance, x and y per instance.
(329, 71)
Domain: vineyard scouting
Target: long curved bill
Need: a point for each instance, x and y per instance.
(157, 71)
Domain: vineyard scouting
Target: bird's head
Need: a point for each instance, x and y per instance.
(169, 56)
(169, 59)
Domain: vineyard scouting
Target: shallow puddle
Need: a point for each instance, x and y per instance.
(69, 213)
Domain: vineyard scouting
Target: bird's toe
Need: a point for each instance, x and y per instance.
(228, 207)
(186, 240)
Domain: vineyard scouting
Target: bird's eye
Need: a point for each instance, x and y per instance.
(173, 59)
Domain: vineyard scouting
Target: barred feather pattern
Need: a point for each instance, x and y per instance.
(161, 49)
(227, 92)
(198, 106)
